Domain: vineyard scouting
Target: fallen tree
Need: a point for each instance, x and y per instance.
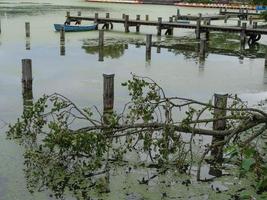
(74, 148)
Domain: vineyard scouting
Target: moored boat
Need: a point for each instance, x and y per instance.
(75, 28)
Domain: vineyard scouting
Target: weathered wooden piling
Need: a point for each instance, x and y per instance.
(197, 31)
(27, 29)
(108, 92)
(0, 27)
(67, 13)
(159, 26)
(147, 17)
(107, 15)
(123, 16)
(96, 18)
(138, 26)
(148, 46)
(79, 13)
(239, 23)
(202, 46)
(158, 49)
(169, 31)
(250, 20)
(62, 35)
(126, 24)
(26, 75)
(148, 42)
(226, 18)
(255, 25)
(101, 38)
(101, 54)
(178, 12)
(243, 34)
(220, 103)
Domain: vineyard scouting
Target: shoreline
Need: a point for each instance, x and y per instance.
(178, 4)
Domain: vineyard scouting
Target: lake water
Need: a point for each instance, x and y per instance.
(78, 73)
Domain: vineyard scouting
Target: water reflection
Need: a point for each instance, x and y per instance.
(62, 48)
(112, 51)
(28, 44)
(189, 48)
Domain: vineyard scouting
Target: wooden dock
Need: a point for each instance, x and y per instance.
(199, 27)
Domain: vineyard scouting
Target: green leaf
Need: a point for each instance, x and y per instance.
(247, 163)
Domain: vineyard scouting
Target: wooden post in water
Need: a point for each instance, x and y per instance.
(108, 92)
(255, 24)
(203, 46)
(79, 13)
(62, 35)
(178, 12)
(243, 35)
(101, 45)
(220, 11)
(123, 16)
(101, 38)
(170, 30)
(220, 103)
(67, 13)
(265, 63)
(126, 24)
(138, 26)
(239, 23)
(159, 26)
(27, 29)
(96, 18)
(207, 32)
(107, 15)
(226, 18)
(26, 75)
(250, 20)
(148, 46)
(158, 49)
(197, 31)
(147, 17)
(0, 27)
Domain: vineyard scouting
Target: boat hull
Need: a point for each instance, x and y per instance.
(76, 28)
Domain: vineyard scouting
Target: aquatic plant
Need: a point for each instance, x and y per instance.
(72, 149)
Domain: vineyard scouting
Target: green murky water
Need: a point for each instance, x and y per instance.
(78, 75)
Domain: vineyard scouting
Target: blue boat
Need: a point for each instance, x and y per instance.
(75, 28)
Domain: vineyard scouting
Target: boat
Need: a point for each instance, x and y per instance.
(75, 28)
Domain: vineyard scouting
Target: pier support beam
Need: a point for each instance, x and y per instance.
(108, 92)
(255, 24)
(239, 23)
(62, 35)
(197, 31)
(96, 18)
(27, 29)
(147, 17)
(79, 13)
(26, 75)
(101, 38)
(243, 35)
(159, 26)
(148, 46)
(138, 26)
(220, 103)
(126, 24)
